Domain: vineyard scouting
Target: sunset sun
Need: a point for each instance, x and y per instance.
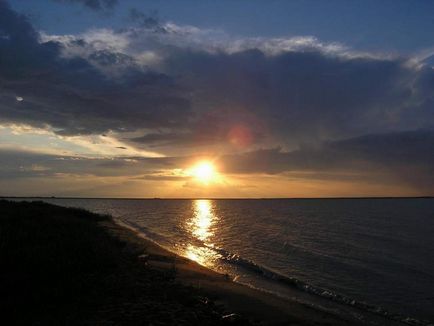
(204, 172)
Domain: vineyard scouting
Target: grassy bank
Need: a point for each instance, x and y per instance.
(59, 266)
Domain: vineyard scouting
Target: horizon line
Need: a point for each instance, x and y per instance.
(215, 198)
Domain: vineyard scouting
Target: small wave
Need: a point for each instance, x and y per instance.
(318, 291)
(144, 231)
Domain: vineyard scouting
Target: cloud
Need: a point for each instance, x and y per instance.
(150, 20)
(71, 94)
(17, 41)
(96, 5)
(238, 128)
(399, 157)
(263, 105)
(26, 164)
(300, 89)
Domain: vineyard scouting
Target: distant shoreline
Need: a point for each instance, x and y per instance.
(213, 198)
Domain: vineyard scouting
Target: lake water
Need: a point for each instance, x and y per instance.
(362, 258)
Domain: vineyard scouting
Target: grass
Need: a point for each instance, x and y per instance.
(58, 266)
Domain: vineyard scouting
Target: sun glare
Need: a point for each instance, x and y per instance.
(204, 172)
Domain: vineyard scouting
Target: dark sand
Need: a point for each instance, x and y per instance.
(62, 266)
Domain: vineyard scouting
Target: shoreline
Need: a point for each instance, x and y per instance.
(283, 309)
(255, 305)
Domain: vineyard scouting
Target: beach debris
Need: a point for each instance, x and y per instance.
(143, 258)
(205, 300)
(235, 319)
(230, 316)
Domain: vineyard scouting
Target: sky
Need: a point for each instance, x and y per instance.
(110, 98)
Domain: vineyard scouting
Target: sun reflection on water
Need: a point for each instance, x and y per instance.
(202, 226)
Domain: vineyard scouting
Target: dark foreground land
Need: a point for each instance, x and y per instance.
(63, 266)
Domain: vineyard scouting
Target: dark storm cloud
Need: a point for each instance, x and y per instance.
(175, 139)
(93, 4)
(22, 164)
(404, 156)
(206, 97)
(311, 96)
(75, 111)
(71, 95)
(148, 20)
(19, 47)
(296, 97)
(212, 128)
